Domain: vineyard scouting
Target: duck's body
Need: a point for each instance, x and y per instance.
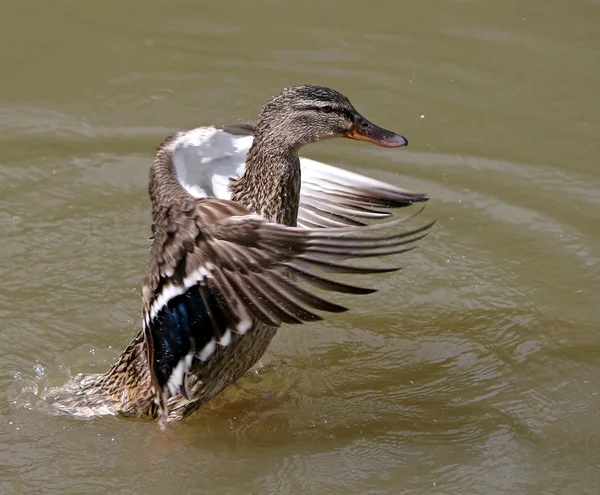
(225, 202)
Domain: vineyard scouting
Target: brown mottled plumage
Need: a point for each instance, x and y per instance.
(224, 275)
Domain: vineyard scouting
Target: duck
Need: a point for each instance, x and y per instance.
(243, 229)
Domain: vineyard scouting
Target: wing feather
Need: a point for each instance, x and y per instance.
(216, 268)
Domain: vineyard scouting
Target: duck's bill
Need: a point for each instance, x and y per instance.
(365, 130)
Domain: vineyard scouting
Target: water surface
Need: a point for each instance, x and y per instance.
(473, 371)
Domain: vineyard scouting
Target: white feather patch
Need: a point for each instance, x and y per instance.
(171, 291)
(206, 158)
(198, 275)
(225, 340)
(208, 350)
(178, 373)
(243, 326)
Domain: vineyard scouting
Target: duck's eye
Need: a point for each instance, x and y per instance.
(326, 109)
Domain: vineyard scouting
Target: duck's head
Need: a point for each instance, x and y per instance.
(306, 114)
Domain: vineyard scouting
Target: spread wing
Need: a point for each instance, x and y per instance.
(334, 197)
(216, 269)
(207, 157)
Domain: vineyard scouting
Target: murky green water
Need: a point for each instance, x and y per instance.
(473, 371)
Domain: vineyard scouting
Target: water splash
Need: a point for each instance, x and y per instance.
(27, 389)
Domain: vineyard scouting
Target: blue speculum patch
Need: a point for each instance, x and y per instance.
(185, 319)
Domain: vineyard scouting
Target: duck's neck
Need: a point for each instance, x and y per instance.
(271, 182)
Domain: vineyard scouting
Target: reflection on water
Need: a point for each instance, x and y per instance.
(471, 371)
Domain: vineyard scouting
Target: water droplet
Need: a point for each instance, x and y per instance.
(39, 370)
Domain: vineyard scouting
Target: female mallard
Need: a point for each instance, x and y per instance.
(226, 253)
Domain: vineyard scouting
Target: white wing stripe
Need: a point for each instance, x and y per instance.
(171, 291)
(178, 373)
(225, 340)
(208, 350)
